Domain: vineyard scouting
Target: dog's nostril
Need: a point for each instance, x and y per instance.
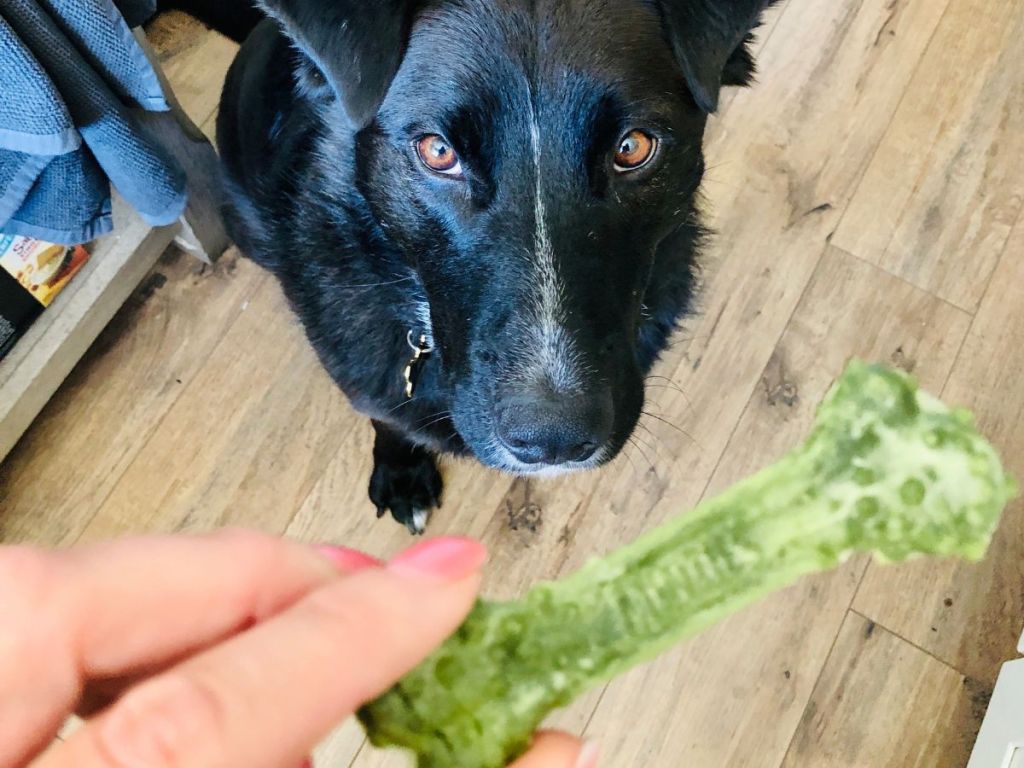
(527, 452)
(540, 428)
(583, 451)
(549, 449)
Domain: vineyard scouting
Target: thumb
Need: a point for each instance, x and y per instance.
(558, 750)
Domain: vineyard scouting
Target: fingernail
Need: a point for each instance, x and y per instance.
(446, 559)
(348, 560)
(307, 763)
(589, 755)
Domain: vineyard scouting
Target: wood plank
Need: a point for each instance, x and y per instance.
(970, 616)
(245, 443)
(707, 702)
(195, 59)
(883, 703)
(940, 196)
(103, 415)
(761, 37)
(45, 355)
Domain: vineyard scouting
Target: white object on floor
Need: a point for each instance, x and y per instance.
(1000, 741)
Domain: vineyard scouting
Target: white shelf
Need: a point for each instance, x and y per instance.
(1000, 741)
(56, 341)
(46, 354)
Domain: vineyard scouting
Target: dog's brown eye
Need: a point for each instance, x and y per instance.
(636, 150)
(437, 154)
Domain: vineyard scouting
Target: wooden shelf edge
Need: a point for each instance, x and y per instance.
(51, 348)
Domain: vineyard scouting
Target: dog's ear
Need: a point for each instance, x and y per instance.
(711, 40)
(357, 45)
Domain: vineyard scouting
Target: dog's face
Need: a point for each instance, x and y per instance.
(530, 161)
(529, 157)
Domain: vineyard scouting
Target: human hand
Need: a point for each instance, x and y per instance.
(235, 649)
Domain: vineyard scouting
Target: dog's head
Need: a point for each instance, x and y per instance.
(530, 158)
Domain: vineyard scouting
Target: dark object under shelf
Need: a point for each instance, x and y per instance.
(17, 312)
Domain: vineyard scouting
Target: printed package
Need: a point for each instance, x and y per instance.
(32, 273)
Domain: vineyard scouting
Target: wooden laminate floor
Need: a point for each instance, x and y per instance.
(868, 194)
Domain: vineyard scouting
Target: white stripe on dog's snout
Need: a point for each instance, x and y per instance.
(555, 355)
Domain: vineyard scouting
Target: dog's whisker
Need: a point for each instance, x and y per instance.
(398, 407)
(676, 427)
(728, 185)
(647, 444)
(663, 386)
(640, 450)
(625, 455)
(434, 415)
(437, 418)
(655, 438)
(671, 385)
(434, 422)
(717, 165)
(355, 286)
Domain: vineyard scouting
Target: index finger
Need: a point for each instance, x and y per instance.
(109, 609)
(265, 697)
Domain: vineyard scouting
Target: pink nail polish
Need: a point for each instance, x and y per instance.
(348, 560)
(446, 559)
(589, 756)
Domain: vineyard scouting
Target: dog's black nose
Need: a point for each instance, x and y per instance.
(553, 429)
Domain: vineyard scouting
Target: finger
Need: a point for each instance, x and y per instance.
(176, 594)
(99, 693)
(558, 750)
(265, 697)
(110, 609)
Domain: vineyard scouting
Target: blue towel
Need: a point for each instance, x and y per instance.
(71, 72)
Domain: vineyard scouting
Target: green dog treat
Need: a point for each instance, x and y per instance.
(887, 469)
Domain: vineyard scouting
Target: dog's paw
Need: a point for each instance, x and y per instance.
(410, 490)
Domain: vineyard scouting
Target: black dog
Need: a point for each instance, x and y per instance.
(503, 190)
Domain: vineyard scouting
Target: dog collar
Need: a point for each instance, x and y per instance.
(421, 351)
